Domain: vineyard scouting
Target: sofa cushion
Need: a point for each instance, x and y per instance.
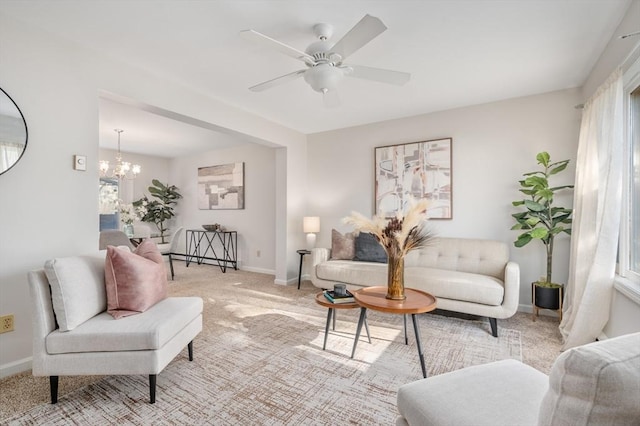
(368, 249)
(77, 289)
(598, 383)
(479, 395)
(342, 246)
(134, 281)
(146, 331)
(441, 283)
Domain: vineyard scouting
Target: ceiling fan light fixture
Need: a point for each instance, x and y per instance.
(323, 77)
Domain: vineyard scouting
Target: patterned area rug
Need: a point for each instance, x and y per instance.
(259, 360)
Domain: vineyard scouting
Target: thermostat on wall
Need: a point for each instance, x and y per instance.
(79, 162)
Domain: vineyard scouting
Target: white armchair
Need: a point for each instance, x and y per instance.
(79, 337)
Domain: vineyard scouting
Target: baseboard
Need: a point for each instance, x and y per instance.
(257, 270)
(290, 281)
(15, 367)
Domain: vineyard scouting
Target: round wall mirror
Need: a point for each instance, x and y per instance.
(13, 132)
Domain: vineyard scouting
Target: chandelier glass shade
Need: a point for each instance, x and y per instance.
(122, 169)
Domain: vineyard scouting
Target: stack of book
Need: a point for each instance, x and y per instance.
(333, 298)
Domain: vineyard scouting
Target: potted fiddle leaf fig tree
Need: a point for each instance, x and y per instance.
(161, 209)
(542, 220)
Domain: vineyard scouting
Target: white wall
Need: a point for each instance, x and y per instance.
(493, 144)
(48, 209)
(255, 223)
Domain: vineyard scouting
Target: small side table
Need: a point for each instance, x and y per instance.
(322, 301)
(301, 253)
(417, 302)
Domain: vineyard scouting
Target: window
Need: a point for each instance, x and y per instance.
(629, 251)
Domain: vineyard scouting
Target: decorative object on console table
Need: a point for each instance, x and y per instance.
(543, 221)
(414, 170)
(311, 226)
(221, 187)
(398, 236)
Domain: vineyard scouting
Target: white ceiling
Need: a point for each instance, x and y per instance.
(459, 52)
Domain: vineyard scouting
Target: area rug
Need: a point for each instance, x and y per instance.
(259, 360)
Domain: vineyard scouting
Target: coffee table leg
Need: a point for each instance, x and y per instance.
(363, 316)
(326, 328)
(416, 329)
(406, 338)
(366, 327)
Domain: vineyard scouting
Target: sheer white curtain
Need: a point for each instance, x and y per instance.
(597, 206)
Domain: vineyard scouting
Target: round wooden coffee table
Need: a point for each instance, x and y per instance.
(417, 302)
(323, 301)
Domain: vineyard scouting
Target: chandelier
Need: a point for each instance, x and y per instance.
(122, 169)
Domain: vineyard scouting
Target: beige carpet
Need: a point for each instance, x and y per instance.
(259, 360)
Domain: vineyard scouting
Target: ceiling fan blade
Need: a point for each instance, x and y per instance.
(277, 45)
(378, 74)
(331, 99)
(276, 81)
(362, 33)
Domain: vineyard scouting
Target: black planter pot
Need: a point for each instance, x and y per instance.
(547, 297)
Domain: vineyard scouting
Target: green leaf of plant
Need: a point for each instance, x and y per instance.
(532, 205)
(518, 203)
(545, 193)
(560, 167)
(539, 233)
(523, 240)
(543, 158)
(533, 221)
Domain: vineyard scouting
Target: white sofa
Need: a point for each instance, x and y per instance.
(80, 338)
(595, 384)
(470, 276)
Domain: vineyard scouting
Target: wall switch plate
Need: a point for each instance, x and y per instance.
(79, 162)
(6, 323)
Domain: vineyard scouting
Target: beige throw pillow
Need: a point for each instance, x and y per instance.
(342, 246)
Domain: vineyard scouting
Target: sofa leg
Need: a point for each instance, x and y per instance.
(190, 349)
(53, 386)
(152, 388)
(494, 326)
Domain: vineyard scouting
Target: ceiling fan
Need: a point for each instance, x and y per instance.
(324, 61)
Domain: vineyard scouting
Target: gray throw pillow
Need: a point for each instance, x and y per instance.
(368, 249)
(342, 246)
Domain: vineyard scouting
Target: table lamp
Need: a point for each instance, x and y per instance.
(311, 226)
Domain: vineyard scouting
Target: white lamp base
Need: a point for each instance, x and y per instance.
(311, 241)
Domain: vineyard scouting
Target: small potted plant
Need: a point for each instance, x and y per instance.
(542, 220)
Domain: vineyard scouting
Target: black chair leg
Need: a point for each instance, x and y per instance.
(494, 326)
(190, 349)
(152, 388)
(53, 385)
(171, 265)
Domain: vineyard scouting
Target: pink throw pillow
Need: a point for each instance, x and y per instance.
(135, 281)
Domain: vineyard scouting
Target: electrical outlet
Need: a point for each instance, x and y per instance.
(6, 323)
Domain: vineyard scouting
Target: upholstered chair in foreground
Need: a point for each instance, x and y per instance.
(595, 384)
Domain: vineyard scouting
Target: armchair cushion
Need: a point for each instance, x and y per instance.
(134, 281)
(597, 383)
(150, 330)
(77, 289)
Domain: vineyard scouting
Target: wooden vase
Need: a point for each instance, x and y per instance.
(395, 278)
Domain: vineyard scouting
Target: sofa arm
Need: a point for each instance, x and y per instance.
(511, 289)
(318, 255)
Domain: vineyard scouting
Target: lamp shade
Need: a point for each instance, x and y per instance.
(311, 224)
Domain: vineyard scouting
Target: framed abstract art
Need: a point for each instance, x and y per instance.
(418, 170)
(221, 187)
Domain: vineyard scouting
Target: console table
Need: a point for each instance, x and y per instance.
(201, 245)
